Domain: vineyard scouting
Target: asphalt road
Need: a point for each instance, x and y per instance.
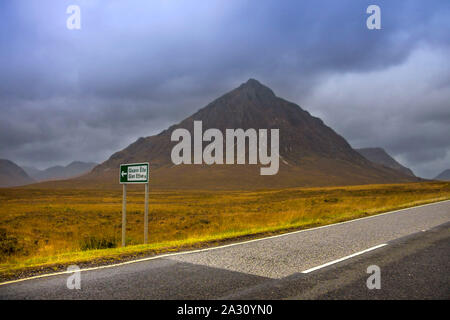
(411, 247)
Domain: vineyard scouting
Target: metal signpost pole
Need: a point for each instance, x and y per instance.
(124, 215)
(146, 215)
(134, 173)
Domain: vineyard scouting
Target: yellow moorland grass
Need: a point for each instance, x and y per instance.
(42, 227)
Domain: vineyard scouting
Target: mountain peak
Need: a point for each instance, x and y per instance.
(380, 156)
(253, 82)
(256, 89)
(12, 175)
(311, 153)
(444, 175)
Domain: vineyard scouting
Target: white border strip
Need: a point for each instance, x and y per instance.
(219, 247)
(344, 258)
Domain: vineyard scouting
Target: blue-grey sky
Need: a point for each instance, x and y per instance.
(136, 67)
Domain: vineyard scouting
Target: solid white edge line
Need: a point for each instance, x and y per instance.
(343, 258)
(215, 248)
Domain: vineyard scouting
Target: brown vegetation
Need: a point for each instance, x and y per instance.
(41, 226)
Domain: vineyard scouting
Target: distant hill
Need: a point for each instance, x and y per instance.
(32, 171)
(444, 175)
(311, 153)
(72, 170)
(380, 156)
(12, 175)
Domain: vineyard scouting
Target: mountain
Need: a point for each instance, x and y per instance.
(12, 175)
(380, 156)
(311, 153)
(73, 169)
(32, 171)
(444, 175)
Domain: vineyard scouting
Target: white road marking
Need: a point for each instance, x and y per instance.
(344, 258)
(215, 248)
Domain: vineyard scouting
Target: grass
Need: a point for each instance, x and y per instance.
(44, 227)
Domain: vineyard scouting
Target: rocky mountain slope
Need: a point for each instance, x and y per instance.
(311, 153)
(380, 156)
(74, 169)
(12, 175)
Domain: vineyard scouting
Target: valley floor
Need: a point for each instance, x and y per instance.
(42, 230)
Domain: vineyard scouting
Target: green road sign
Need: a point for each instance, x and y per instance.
(134, 173)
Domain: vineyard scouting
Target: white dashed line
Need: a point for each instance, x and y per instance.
(223, 246)
(344, 258)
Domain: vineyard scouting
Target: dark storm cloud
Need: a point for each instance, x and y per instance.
(138, 66)
(404, 109)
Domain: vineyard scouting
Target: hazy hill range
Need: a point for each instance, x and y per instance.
(444, 175)
(32, 171)
(73, 169)
(12, 175)
(380, 156)
(311, 153)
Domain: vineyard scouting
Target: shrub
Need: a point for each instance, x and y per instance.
(9, 244)
(93, 242)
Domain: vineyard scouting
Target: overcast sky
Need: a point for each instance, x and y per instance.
(136, 67)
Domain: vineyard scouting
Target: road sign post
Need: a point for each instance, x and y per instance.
(134, 173)
(146, 215)
(124, 214)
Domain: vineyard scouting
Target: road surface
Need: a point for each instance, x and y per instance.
(411, 247)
